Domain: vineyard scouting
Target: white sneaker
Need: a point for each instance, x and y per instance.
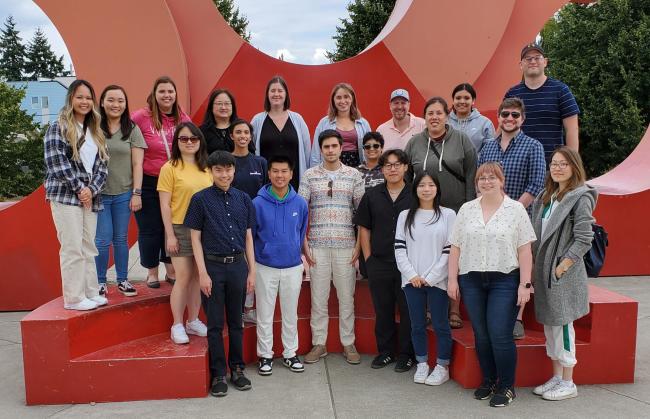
(250, 316)
(543, 388)
(82, 305)
(438, 376)
(99, 300)
(178, 334)
(421, 373)
(561, 391)
(196, 327)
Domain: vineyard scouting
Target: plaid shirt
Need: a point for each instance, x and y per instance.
(64, 177)
(523, 164)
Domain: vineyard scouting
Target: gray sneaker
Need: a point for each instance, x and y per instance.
(518, 332)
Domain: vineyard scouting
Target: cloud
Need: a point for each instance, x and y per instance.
(319, 56)
(286, 55)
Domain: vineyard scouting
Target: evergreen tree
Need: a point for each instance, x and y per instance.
(12, 52)
(367, 19)
(230, 13)
(41, 60)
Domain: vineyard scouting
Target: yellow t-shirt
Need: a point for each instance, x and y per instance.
(182, 181)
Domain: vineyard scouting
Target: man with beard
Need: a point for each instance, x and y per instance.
(398, 130)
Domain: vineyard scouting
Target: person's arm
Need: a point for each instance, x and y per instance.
(401, 256)
(364, 240)
(452, 281)
(166, 213)
(469, 168)
(315, 157)
(582, 235)
(306, 140)
(205, 282)
(571, 131)
(525, 258)
(250, 257)
(137, 159)
(56, 159)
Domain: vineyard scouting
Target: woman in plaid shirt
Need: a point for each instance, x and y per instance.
(76, 159)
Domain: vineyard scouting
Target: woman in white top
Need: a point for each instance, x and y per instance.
(491, 250)
(422, 251)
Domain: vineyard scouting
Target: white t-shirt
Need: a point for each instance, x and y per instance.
(88, 150)
(491, 247)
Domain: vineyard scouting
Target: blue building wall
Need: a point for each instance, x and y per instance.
(43, 99)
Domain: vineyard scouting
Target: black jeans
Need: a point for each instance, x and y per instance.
(228, 291)
(151, 231)
(385, 283)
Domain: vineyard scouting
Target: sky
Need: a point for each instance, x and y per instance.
(299, 30)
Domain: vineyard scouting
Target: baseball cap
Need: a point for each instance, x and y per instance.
(400, 93)
(531, 47)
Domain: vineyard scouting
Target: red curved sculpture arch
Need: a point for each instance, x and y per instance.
(195, 46)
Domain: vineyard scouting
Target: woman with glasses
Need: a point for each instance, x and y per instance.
(373, 147)
(184, 174)
(562, 218)
(280, 131)
(490, 266)
(219, 114)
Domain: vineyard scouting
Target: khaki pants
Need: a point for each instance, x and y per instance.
(332, 265)
(75, 229)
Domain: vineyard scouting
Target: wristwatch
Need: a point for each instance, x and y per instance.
(137, 191)
(527, 284)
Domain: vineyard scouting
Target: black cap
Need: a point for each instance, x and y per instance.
(531, 47)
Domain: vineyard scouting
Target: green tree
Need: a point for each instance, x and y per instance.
(367, 19)
(12, 52)
(231, 14)
(21, 146)
(41, 60)
(602, 52)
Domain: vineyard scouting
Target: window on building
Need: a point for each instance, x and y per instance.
(45, 103)
(35, 102)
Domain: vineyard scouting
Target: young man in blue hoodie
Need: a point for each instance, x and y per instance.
(282, 218)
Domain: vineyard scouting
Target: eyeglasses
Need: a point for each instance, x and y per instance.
(533, 59)
(559, 165)
(330, 185)
(395, 165)
(486, 179)
(223, 104)
(374, 146)
(192, 139)
(505, 114)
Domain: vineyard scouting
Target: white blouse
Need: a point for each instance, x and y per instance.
(491, 247)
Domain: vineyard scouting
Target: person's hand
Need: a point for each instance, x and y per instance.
(250, 283)
(205, 282)
(417, 281)
(453, 290)
(172, 246)
(523, 295)
(355, 255)
(136, 203)
(85, 197)
(308, 256)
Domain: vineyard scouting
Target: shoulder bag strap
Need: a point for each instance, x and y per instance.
(444, 164)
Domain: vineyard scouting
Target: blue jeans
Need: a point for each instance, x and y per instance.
(491, 302)
(112, 227)
(417, 299)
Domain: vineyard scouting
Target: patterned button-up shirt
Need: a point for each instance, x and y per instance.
(371, 177)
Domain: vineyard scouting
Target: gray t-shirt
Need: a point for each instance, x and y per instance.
(120, 170)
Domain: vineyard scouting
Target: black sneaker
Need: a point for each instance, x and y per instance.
(219, 387)
(127, 289)
(382, 360)
(239, 380)
(503, 397)
(103, 289)
(485, 391)
(265, 366)
(294, 364)
(404, 363)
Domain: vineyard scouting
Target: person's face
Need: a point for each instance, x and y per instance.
(331, 149)
(114, 103)
(342, 100)
(82, 100)
(533, 64)
(165, 96)
(277, 95)
(463, 102)
(280, 175)
(488, 184)
(241, 135)
(560, 168)
(426, 189)
(393, 169)
(188, 143)
(372, 149)
(222, 106)
(436, 117)
(510, 119)
(399, 108)
(223, 176)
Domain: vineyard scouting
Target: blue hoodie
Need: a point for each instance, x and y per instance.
(280, 229)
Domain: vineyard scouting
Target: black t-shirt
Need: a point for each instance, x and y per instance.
(275, 142)
(378, 213)
(250, 174)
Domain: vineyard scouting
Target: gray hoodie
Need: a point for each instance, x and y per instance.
(478, 128)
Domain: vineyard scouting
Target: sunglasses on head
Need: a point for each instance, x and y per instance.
(505, 114)
(330, 185)
(374, 146)
(192, 139)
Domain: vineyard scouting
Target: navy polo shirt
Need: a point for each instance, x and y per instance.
(223, 218)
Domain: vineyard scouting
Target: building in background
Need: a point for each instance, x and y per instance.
(44, 98)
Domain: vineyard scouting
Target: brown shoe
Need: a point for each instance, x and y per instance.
(317, 352)
(351, 355)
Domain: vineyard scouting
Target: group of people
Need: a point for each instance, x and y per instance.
(233, 208)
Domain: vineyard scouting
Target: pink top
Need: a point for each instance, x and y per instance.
(155, 155)
(395, 139)
(349, 140)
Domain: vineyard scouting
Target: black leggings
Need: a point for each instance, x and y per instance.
(151, 231)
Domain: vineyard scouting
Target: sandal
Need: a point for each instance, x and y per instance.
(170, 281)
(153, 284)
(455, 321)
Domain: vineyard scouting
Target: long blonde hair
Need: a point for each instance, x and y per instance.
(69, 125)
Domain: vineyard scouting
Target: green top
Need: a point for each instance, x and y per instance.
(272, 192)
(120, 170)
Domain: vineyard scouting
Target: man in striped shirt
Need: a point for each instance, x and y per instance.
(551, 108)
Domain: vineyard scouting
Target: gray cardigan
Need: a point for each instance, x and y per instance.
(567, 234)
